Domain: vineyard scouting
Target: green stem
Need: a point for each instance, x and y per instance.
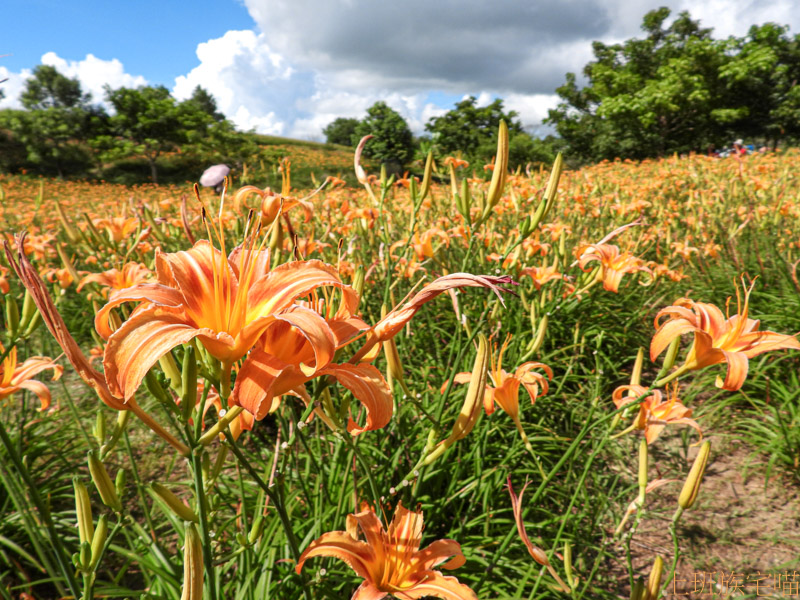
(197, 468)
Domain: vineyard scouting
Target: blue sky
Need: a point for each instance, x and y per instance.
(290, 67)
(156, 39)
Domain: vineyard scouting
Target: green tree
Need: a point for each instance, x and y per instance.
(341, 131)
(202, 101)
(47, 88)
(392, 142)
(648, 96)
(147, 121)
(472, 130)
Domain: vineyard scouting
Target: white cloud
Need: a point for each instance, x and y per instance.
(94, 73)
(13, 87)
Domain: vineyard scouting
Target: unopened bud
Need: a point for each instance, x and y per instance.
(642, 469)
(692, 485)
(83, 511)
(99, 540)
(192, 564)
(100, 428)
(654, 582)
(426, 178)
(540, 333)
(256, 529)
(636, 374)
(174, 503)
(471, 409)
(12, 316)
(189, 382)
(638, 591)
(120, 481)
(500, 170)
(85, 555)
(102, 482)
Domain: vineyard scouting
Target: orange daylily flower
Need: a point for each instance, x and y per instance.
(716, 339)
(506, 388)
(15, 377)
(225, 302)
(614, 265)
(654, 413)
(118, 228)
(390, 560)
(542, 275)
(132, 273)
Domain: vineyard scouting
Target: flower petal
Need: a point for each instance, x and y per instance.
(438, 586)
(338, 544)
(439, 552)
(154, 293)
(141, 340)
(368, 387)
(261, 381)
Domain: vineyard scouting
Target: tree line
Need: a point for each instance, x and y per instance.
(677, 89)
(61, 132)
(468, 130)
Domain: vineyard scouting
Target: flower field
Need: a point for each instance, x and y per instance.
(476, 383)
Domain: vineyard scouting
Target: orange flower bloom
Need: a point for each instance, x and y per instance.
(15, 377)
(225, 302)
(542, 275)
(655, 414)
(614, 264)
(506, 386)
(130, 274)
(118, 228)
(716, 339)
(389, 560)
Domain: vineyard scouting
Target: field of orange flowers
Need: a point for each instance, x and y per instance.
(472, 384)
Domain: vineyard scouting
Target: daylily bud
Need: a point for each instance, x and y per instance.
(83, 510)
(552, 183)
(99, 540)
(34, 322)
(642, 469)
(426, 178)
(636, 374)
(12, 316)
(358, 282)
(638, 591)
(383, 176)
(568, 564)
(654, 582)
(394, 367)
(85, 555)
(672, 354)
(465, 201)
(170, 368)
(189, 381)
(119, 482)
(175, 504)
(100, 428)
(539, 339)
(192, 564)
(219, 462)
(692, 485)
(500, 170)
(29, 310)
(471, 409)
(119, 428)
(256, 529)
(102, 482)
